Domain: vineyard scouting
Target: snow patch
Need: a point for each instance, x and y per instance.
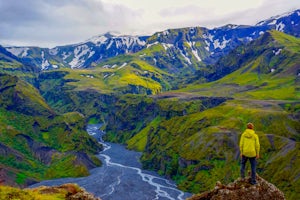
(233, 26)
(119, 44)
(165, 33)
(149, 45)
(192, 30)
(18, 51)
(186, 58)
(66, 55)
(280, 26)
(277, 52)
(292, 22)
(105, 76)
(272, 70)
(209, 36)
(55, 66)
(53, 51)
(123, 65)
(126, 41)
(106, 66)
(89, 76)
(207, 43)
(260, 23)
(98, 40)
(194, 51)
(249, 39)
(109, 45)
(222, 45)
(298, 12)
(80, 52)
(261, 33)
(167, 46)
(25, 52)
(45, 62)
(273, 22)
(140, 42)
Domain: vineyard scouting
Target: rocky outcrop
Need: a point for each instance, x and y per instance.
(241, 189)
(71, 191)
(67, 191)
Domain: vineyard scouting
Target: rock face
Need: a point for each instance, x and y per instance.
(242, 190)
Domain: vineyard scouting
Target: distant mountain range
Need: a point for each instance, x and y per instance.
(185, 47)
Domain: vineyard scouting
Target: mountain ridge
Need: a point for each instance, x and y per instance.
(210, 45)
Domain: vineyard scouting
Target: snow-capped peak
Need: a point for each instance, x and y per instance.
(273, 20)
(98, 39)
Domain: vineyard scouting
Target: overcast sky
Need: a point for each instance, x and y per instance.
(48, 23)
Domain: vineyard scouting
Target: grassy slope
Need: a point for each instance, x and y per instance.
(24, 113)
(201, 148)
(123, 71)
(254, 79)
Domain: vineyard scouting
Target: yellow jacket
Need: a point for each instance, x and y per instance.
(249, 143)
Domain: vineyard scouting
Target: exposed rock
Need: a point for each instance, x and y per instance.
(71, 191)
(8, 176)
(39, 150)
(7, 151)
(241, 189)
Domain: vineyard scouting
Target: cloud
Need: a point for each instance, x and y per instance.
(59, 22)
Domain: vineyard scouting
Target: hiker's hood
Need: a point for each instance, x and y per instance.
(249, 133)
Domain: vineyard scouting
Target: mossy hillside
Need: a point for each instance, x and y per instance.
(128, 116)
(139, 141)
(290, 42)
(201, 148)
(10, 64)
(65, 98)
(134, 76)
(20, 96)
(31, 133)
(132, 113)
(62, 134)
(268, 70)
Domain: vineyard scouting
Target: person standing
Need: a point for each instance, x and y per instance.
(249, 150)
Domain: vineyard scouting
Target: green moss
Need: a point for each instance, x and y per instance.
(139, 141)
(64, 167)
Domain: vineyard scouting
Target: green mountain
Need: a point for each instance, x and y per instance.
(191, 135)
(35, 142)
(267, 68)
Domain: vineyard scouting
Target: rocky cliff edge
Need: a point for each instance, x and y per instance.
(241, 189)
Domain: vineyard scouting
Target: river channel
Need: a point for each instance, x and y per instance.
(121, 176)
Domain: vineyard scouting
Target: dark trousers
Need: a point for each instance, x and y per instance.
(253, 168)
